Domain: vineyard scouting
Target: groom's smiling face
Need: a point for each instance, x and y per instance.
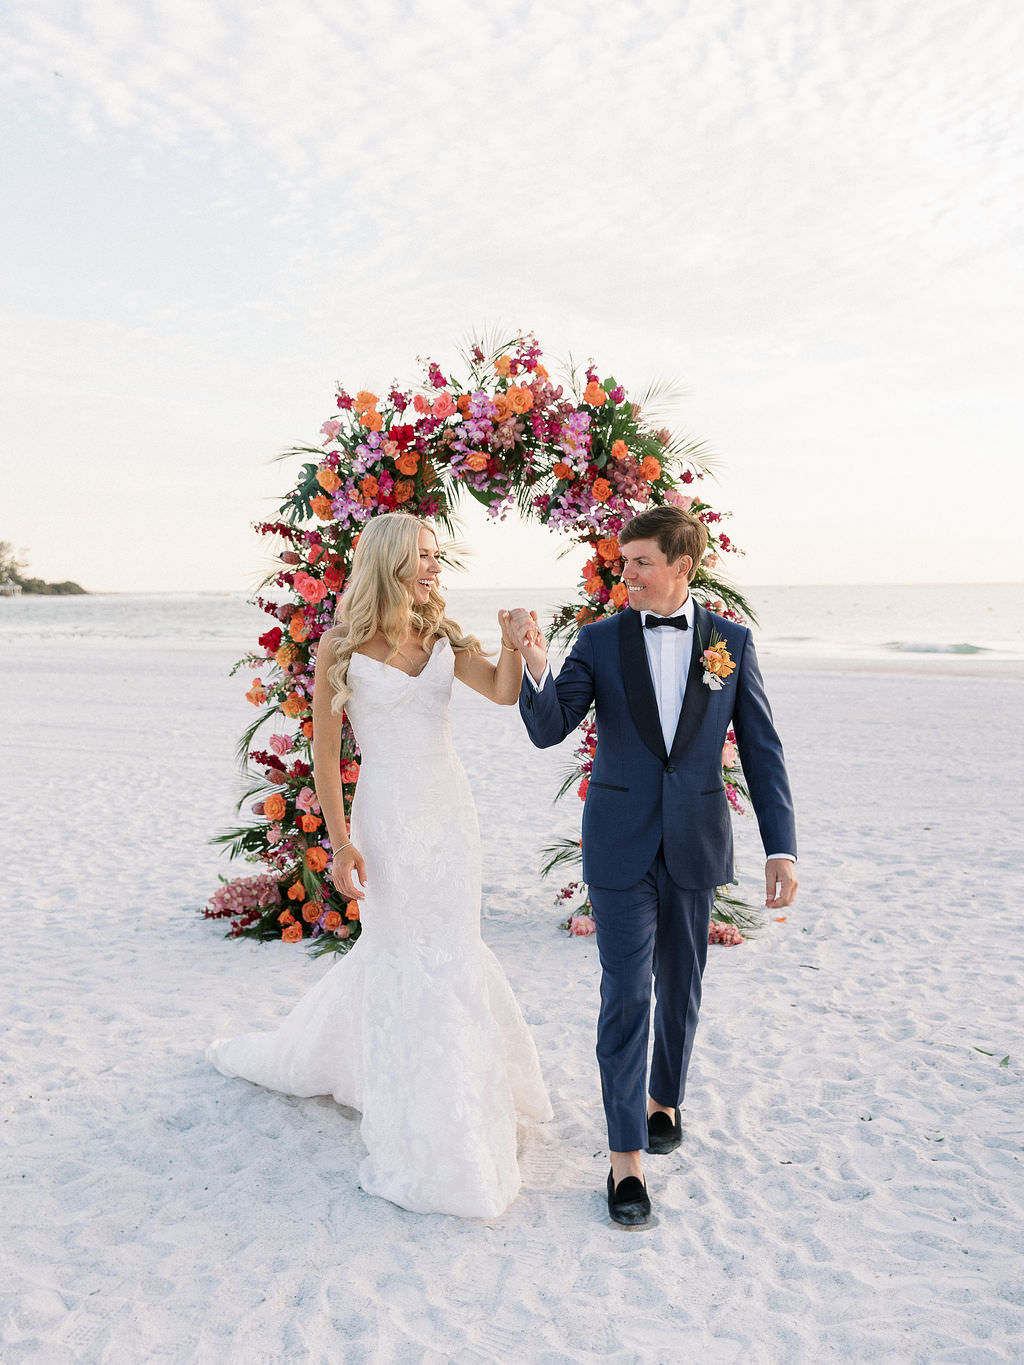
(654, 583)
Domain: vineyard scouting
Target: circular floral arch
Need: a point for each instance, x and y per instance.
(580, 458)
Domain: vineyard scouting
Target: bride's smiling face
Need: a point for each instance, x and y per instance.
(429, 569)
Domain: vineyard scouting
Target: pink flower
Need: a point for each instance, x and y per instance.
(274, 834)
(306, 801)
(309, 588)
(443, 406)
(729, 755)
(681, 500)
(727, 934)
(258, 808)
(331, 428)
(420, 403)
(281, 744)
(581, 925)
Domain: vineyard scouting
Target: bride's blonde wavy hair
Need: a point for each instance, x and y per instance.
(376, 598)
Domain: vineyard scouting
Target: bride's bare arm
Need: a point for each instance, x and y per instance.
(498, 682)
(327, 778)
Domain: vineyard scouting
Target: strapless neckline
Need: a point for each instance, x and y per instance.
(394, 667)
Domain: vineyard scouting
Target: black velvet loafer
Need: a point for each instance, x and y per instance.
(628, 1201)
(664, 1134)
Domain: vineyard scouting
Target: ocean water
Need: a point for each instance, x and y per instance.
(848, 622)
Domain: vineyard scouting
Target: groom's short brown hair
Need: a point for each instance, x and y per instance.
(677, 533)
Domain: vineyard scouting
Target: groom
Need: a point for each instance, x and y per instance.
(667, 678)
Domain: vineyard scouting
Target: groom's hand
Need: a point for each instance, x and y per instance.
(529, 640)
(780, 883)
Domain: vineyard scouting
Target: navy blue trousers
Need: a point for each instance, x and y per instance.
(656, 931)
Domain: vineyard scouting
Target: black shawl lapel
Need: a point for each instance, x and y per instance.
(636, 678)
(696, 696)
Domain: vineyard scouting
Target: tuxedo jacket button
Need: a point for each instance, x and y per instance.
(670, 769)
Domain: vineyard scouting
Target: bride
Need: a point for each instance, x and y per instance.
(416, 1027)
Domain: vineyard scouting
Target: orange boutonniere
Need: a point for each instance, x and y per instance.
(717, 662)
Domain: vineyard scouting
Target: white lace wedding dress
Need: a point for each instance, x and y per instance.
(416, 1027)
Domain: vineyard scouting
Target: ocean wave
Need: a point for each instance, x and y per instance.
(929, 647)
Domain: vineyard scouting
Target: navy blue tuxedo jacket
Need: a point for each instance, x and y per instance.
(639, 795)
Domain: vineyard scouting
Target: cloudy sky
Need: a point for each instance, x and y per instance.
(806, 212)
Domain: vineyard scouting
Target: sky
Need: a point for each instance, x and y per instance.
(804, 213)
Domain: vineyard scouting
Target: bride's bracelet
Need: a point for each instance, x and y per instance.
(511, 648)
(343, 847)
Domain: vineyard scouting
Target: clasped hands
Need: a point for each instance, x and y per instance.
(521, 630)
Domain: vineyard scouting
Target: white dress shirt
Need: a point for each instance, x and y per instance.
(668, 654)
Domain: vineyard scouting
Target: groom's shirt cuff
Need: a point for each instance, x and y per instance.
(543, 677)
(789, 857)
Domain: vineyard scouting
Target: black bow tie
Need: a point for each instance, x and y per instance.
(653, 622)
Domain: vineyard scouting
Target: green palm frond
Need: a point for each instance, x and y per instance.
(561, 854)
(731, 909)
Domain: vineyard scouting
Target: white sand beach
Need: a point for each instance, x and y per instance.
(849, 1186)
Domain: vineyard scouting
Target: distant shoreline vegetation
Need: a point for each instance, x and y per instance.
(13, 582)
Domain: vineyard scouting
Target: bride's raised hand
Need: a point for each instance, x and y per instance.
(348, 861)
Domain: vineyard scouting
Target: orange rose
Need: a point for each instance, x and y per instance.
(477, 462)
(297, 627)
(650, 468)
(332, 921)
(562, 471)
(286, 917)
(274, 806)
(321, 506)
(594, 394)
(462, 403)
(608, 549)
(312, 911)
(520, 399)
(620, 450)
(404, 490)
(308, 823)
(601, 489)
(503, 408)
(316, 858)
(620, 594)
(257, 694)
(372, 419)
(327, 479)
(594, 585)
(585, 615)
(352, 910)
(540, 372)
(296, 892)
(409, 462)
(503, 364)
(293, 705)
(293, 933)
(350, 772)
(364, 401)
(307, 729)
